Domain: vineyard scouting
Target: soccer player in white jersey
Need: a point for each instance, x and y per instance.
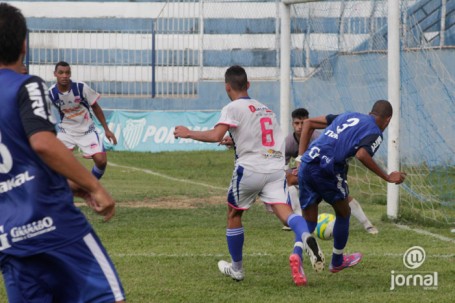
(76, 128)
(298, 116)
(259, 171)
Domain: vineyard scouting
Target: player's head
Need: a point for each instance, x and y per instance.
(298, 116)
(382, 111)
(13, 31)
(236, 81)
(63, 73)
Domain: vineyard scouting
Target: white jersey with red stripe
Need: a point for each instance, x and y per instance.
(257, 136)
(74, 107)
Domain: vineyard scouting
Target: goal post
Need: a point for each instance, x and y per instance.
(343, 55)
(285, 61)
(393, 85)
(393, 72)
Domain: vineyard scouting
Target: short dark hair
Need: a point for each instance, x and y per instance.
(237, 78)
(300, 113)
(382, 108)
(61, 63)
(13, 31)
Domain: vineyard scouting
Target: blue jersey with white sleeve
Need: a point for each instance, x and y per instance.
(341, 140)
(37, 212)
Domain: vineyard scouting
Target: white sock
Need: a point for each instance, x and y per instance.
(357, 212)
(295, 202)
(237, 265)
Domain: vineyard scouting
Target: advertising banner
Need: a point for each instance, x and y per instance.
(154, 131)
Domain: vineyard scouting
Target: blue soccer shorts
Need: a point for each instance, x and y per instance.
(316, 185)
(75, 273)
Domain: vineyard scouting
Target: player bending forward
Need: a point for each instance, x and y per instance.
(323, 168)
(299, 115)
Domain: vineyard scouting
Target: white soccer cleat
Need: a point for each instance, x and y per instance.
(315, 254)
(226, 269)
(372, 230)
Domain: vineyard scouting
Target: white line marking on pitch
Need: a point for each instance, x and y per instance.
(155, 255)
(427, 233)
(151, 172)
(264, 254)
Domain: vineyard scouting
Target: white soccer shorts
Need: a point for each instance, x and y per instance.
(247, 185)
(89, 144)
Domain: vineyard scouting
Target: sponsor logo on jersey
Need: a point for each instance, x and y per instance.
(271, 153)
(27, 231)
(255, 109)
(14, 182)
(376, 144)
(41, 104)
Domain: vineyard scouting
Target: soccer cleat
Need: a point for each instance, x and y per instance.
(372, 230)
(298, 275)
(315, 254)
(286, 228)
(226, 268)
(348, 261)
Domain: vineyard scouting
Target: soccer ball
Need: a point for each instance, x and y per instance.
(324, 229)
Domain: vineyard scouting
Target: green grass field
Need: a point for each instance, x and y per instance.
(169, 233)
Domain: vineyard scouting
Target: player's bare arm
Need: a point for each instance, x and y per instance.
(366, 159)
(60, 159)
(213, 135)
(98, 111)
(309, 125)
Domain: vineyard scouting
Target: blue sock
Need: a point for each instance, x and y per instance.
(97, 172)
(235, 238)
(340, 238)
(299, 226)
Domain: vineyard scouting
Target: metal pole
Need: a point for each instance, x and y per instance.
(285, 67)
(393, 70)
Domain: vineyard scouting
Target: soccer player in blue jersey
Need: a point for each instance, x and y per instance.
(323, 168)
(48, 250)
(76, 128)
(299, 115)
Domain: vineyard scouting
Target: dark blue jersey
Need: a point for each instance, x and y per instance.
(37, 212)
(341, 140)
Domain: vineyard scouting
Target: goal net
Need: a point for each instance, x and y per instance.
(339, 63)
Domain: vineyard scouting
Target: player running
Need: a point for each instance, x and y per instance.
(259, 170)
(76, 128)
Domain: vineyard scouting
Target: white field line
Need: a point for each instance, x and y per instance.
(147, 171)
(187, 255)
(258, 254)
(426, 233)
(151, 172)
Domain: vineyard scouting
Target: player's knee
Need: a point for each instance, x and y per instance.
(100, 162)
